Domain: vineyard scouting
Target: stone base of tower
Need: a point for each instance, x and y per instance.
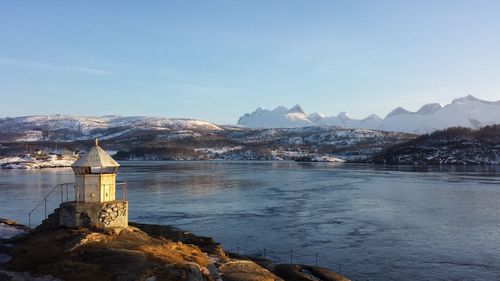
(94, 214)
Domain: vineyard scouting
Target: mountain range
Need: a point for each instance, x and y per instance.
(469, 112)
(157, 138)
(153, 138)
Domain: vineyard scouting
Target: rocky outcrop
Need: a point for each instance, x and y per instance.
(139, 252)
(245, 270)
(113, 254)
(206, 244)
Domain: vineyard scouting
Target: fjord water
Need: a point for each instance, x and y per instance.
(379, 222)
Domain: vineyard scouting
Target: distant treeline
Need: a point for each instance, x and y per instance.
(164, 152)
(454, 145)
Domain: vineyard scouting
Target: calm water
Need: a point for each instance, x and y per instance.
(380, 223)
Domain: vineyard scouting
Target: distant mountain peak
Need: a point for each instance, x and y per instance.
(429, 108)
(469, 99)
(296, 109)
(280, 109)
(372, 117)
(315, 115)
(343, 116)
(280, 117)
(398, 111)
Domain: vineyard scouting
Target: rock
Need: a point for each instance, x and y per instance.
(23, 276)
(8, 222)
(5, 277)
(82, 240)
(13, 224)
(113, 254)
(298, 272)
(207, 244)
(244, 270)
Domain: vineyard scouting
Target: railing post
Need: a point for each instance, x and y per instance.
(316, 259)
(264, 252)
(44, 200)
(291, 256)
(340, 268)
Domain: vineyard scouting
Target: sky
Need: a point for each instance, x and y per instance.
(216, 60)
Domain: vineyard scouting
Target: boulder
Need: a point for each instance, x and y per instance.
(245, 270)
(299, 272)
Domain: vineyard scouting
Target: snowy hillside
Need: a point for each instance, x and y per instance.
(69, 128)
(467, 112)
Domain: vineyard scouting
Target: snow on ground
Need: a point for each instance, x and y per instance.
(328, 159)
(219, 150)
(13, 159)
(8, 232)
(43, 127)
(31, 135)
(51, 161)
(110, 136)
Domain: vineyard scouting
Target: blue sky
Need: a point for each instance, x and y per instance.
(216, 60)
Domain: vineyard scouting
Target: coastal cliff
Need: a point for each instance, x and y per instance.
(140, 252)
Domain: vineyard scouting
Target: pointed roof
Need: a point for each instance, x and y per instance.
(96, 157)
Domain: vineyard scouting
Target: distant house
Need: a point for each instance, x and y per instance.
(39, 152)
(67, 153)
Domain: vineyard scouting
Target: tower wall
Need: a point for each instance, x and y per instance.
(95, 187)
(94, 214)
(108, 189)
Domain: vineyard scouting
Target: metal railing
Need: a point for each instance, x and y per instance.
(62, 186)
(291, 257)
(124, 186)
(65, 187)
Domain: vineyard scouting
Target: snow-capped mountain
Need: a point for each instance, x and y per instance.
(468, 111)
(281, 116)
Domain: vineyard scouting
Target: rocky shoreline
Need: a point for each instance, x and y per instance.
(138, 252)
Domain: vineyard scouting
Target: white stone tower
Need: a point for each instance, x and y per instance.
(95, 202)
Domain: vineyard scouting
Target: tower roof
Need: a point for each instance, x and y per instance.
(95, 158)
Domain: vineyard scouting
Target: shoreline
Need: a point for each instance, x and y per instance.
(155, 250)
(4, 166)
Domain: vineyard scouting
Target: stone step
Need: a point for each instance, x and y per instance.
(55, 214)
